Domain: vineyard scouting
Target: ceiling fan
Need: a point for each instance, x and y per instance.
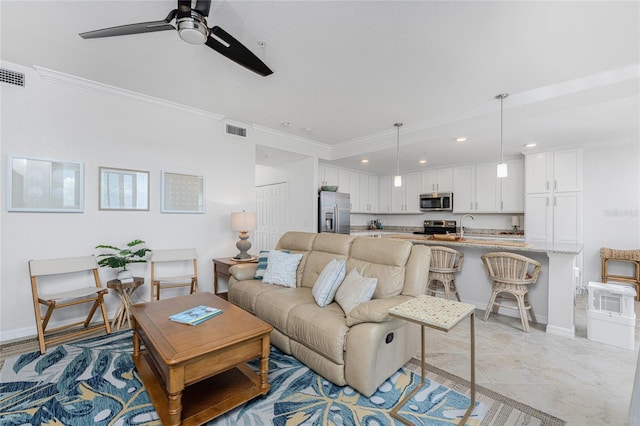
(191, 24)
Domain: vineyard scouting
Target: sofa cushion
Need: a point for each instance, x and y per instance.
(324, 290)
(245, 293)
(275, 306)
(281, 268)
(354, 290)
(383, 258)
(322, 330)
(326, 247)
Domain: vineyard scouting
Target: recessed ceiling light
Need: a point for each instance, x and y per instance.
(461, 139)
(308, 129)
(530, 145)
(422, 161)
(285, 124)
(364, 160)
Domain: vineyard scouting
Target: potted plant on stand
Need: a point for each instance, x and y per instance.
(120, 258)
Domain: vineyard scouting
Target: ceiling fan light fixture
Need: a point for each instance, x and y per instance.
(193, 29)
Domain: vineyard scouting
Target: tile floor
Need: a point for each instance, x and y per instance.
(578, 380)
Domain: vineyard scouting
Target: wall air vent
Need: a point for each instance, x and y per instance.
(236, 130)
(11, 77)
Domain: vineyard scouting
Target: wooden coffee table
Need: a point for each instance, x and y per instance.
(196, 373)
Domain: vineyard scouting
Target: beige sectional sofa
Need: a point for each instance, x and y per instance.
(367, 346)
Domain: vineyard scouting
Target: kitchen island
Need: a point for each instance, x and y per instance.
(552, 297)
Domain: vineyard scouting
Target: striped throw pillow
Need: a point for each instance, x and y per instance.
(325, 287)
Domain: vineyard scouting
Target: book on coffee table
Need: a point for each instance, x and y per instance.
(195, 316)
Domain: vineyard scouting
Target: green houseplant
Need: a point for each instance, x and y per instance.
(119, 258)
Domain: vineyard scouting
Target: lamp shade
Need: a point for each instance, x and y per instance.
(243, 221)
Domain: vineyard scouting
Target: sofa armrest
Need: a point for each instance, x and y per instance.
(376, 310)
(245, 271)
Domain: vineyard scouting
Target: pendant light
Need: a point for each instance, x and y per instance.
(502, 167)
(397, 179)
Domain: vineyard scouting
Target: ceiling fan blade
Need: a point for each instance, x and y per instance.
(223, 43)
(203, 7)
(142, 27)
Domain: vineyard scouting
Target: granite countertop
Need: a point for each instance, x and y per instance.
(468, 241)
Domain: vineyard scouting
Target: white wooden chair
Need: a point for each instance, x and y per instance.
(62, 283)
(165, 262)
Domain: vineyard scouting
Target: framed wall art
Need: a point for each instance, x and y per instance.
(182, 193)
(44, 185)
(123, 189)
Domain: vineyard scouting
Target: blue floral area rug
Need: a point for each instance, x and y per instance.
(94, 381)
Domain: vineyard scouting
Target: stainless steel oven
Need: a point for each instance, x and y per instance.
(436, 201)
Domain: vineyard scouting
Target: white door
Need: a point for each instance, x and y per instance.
(272, 204)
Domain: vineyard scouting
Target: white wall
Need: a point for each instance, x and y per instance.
(303, 195)
(611, 203)
(51, 120)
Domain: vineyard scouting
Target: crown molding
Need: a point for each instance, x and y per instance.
(280, 140)
(105, 89)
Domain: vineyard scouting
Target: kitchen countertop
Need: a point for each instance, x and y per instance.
(501, 244)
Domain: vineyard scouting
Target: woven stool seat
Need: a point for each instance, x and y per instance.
(609, 253)
(629, 256)
(445, 262)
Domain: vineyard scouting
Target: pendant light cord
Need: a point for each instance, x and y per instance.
(501, 97)
(398, 148)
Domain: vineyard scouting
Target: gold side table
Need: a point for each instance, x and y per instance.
(440, 314)
(124, 291)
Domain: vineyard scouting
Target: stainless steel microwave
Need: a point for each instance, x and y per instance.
(436, 201)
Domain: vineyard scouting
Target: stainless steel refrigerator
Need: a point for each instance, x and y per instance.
(334, 212)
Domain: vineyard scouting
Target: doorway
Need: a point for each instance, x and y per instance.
(272, 205)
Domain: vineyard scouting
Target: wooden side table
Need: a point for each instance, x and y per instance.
(221, 266)
(440, 314)
(124, 291)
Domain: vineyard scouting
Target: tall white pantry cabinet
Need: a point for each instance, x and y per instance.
(553, 196)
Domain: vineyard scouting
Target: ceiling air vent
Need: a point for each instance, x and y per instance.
(11, 77)
(236, 130)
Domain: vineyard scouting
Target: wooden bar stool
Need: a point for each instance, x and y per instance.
(445, 262)
(512, 274)
(630, 256)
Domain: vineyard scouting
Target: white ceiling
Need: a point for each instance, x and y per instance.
(345, 71)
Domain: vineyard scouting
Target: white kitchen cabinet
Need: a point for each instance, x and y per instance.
(385, 185)
(512, 188)
(436, 180)
(557, 171)
(344, 183)
(553, 184)
(368, 189)
(327, 175)
(406, 198)
(538, 217)
(477, 189)
(354, 190)
(487, 187)
(464, 194)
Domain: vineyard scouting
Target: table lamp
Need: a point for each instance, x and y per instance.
(243, 222)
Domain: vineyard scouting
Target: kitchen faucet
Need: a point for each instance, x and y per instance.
(461, 225)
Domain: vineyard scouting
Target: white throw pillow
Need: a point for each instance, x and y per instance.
(281, 268)
(325, 287)
(354, 290)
